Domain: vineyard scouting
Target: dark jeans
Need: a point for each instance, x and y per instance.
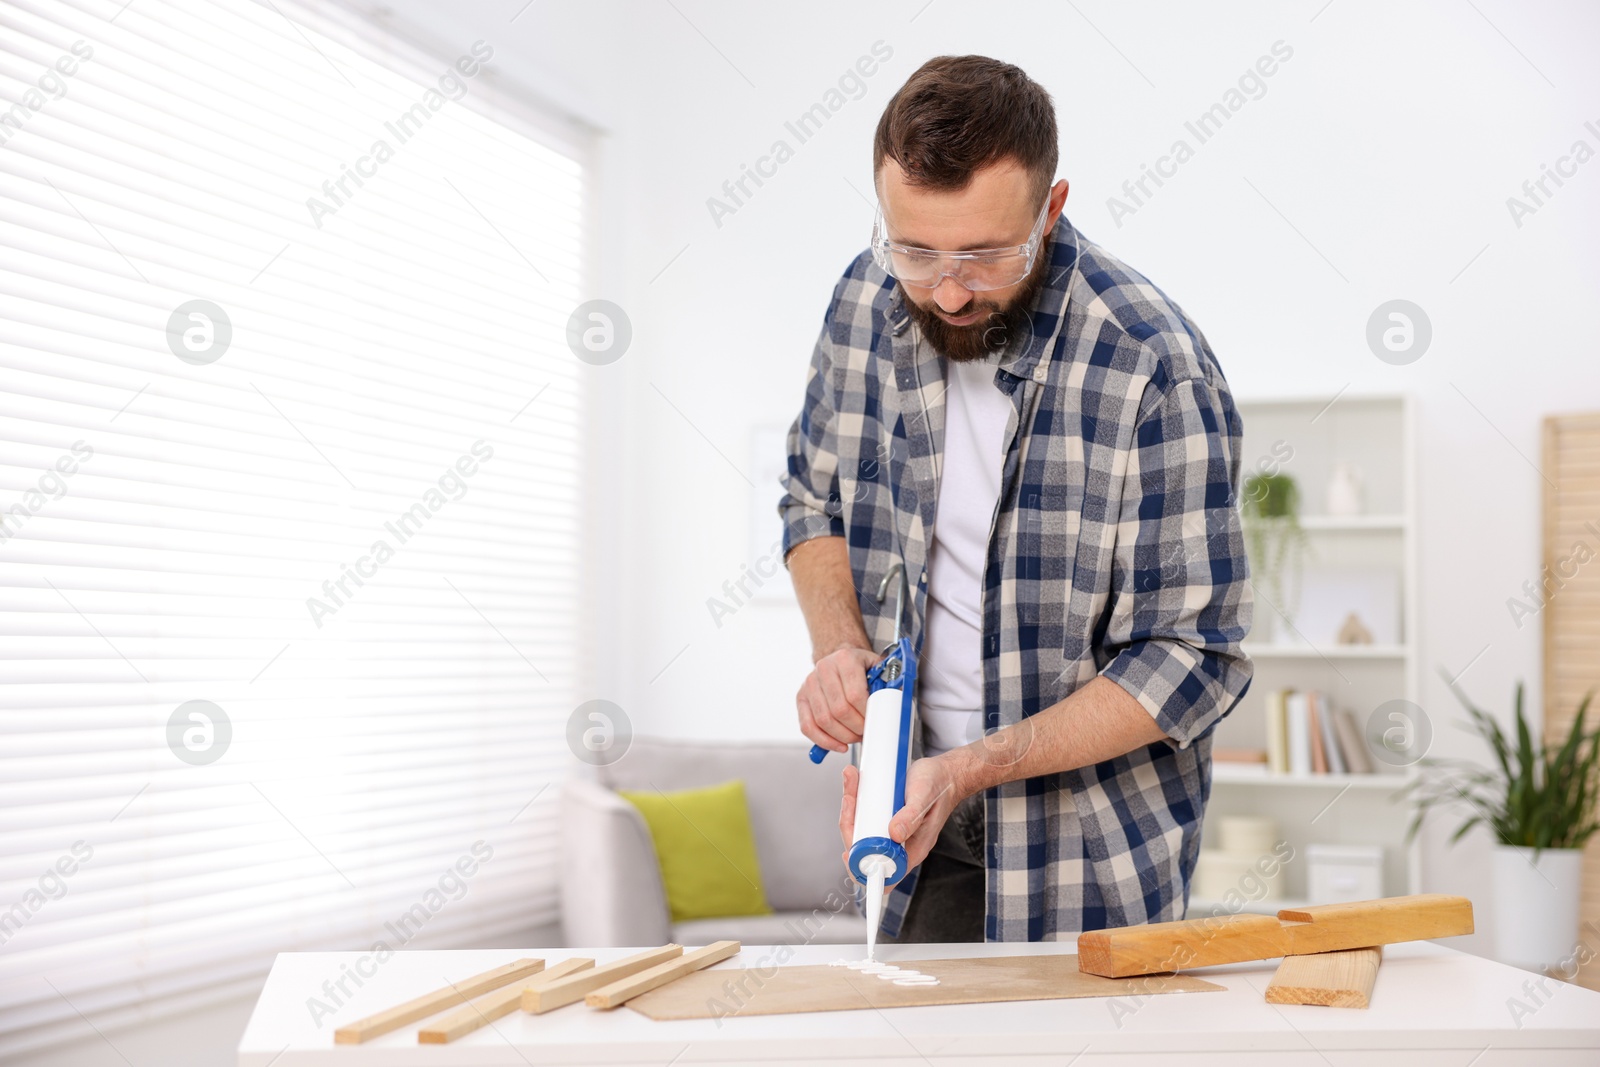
(948, 904)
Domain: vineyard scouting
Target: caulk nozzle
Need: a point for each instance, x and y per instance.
(877, 870)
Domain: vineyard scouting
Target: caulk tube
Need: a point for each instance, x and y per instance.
(881, 789)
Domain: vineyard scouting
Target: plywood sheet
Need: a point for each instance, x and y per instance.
(720, 993)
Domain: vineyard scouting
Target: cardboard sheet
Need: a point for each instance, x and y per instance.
(721, 993)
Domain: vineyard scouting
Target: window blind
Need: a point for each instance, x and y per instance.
(290, 482)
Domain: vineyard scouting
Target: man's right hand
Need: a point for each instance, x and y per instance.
(833, 701)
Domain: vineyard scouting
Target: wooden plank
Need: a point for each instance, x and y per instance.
(1571, 613)
(1331, 927)
(723, 993)
(1331, 979)
(435, 1002)
(501, 1002)
(619, 992)
(1171, 946)
(543, 998)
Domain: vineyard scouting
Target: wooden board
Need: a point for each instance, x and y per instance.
(620, 992)
(1161, 947)
(543, 998)
(433, 1003)
(719, 994)
(1571, 620)
(501, 1002)
(1332, 979)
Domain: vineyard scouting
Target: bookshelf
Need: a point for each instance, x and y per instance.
(1261, 651)
(1375, 433)
(1238, 774)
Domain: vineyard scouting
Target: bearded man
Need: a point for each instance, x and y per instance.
(1043, 439)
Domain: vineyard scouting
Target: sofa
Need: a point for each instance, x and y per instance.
(611, 892)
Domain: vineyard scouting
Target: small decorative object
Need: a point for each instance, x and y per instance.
(1344, 491)
(1276, 543)
(1237, 877)
(1255, 834)
(1337, 873)
(1247, 862)
(1330, 594)
(1539, 800)
(1353, 632)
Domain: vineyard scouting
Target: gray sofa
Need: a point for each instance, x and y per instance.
(611, 892)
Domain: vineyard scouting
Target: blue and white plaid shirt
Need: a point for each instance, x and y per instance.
(1116, 551)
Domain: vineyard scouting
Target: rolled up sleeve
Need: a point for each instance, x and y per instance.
(1181, 600)
(811, 505)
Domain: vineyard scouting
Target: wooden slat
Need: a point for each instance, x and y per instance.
(435, 1002)
(1331, 979)
(620, 992)
(1160, 947)
(570, 990)
(501, 1002)
(1571, 617)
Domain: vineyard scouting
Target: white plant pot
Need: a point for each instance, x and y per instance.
(1536, 905)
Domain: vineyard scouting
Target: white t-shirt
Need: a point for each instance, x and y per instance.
(950, 697)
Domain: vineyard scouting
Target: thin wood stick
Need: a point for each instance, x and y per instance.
(540, 999)
(1333, 979)
(501, 1002)
(1159, 947)
(620, 992)
(435, 1002)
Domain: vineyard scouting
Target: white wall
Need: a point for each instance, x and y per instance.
(1390, 140)
(1377, 165)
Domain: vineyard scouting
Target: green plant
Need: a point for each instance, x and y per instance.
(1271, 511)
(1536, 796)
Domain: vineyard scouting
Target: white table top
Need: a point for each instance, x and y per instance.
(1428, 997)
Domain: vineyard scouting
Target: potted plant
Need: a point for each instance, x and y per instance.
(1270, 509)
(1539, 801)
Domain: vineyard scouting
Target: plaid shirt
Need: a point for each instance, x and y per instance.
(1115, 551)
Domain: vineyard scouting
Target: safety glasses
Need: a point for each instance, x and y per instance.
(979, 269)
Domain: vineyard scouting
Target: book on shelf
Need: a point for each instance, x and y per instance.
(1330, 735)
(1307, 735)
(1299, 733)
(1277, 732)
(1319, 754)
(1350, 743)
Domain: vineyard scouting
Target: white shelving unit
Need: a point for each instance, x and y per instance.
(1260, 652)
(1376, 434)
(1237, 774)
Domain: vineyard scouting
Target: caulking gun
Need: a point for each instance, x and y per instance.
(876, 861)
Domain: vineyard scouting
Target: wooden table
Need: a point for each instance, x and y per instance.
(1432, 1006)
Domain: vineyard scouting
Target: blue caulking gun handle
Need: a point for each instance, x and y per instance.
(874, 683)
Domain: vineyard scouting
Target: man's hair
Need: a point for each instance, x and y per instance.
(958, 114)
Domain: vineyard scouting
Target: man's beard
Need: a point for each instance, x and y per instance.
(999, 329)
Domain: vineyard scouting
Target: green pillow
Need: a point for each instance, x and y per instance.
(706, 851)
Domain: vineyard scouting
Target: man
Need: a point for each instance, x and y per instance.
(1047, 444)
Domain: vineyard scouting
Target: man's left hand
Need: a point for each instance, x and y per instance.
(931, 795)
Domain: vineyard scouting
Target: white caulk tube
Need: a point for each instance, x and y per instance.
(876, 860)
(881, 768)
